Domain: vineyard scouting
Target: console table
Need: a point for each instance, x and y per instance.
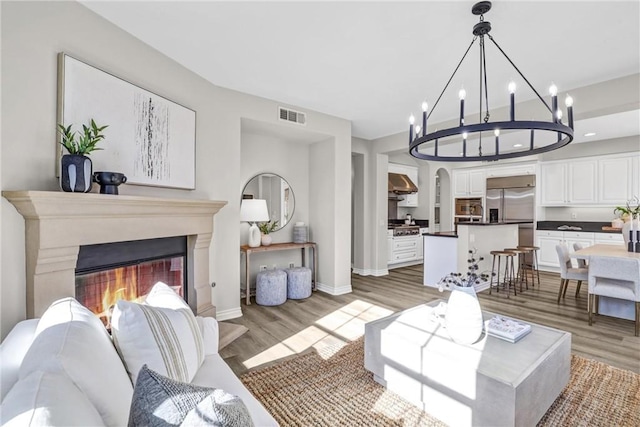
(248, 251)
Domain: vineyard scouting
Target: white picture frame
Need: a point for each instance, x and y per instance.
(150, 139)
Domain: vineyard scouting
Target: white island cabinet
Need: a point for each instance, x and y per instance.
(440, 256)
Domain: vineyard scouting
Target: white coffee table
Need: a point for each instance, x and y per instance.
(489, 383)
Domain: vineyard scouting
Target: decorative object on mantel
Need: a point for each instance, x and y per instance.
(253, 211)
(109, 181)
(266, 228)
(463, 317)
(76, 168)
(152, 139)
(300, 233)
(424, 145)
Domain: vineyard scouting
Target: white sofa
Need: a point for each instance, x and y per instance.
(67, 372)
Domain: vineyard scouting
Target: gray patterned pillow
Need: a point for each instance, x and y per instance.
(161, 401)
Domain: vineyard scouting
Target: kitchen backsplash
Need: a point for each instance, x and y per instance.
(581, 214)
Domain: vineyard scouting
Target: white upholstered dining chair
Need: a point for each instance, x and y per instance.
(582, 263)
(614, 277)
(569, 272)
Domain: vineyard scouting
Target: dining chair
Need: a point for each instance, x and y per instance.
(568, 272)
(614, 277)
(582, 263)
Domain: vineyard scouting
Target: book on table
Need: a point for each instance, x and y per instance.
(506, 328)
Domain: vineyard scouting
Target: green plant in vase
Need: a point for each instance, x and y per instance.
(267, 228)
(628, 212)
(76, 169)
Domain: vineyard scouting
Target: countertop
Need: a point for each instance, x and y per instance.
(586, 226)
(442, 234)
(495, 223)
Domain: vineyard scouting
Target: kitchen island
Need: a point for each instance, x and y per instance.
(448, 252)
(485, 237)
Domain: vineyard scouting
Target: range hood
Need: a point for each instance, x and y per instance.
(401, 184)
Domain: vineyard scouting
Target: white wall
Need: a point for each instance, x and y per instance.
(32, 35)
(290, 160)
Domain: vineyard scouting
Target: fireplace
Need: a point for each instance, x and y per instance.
(59, 225)
(108, 272)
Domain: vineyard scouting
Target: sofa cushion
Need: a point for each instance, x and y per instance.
(214, 372)
(47, 399)
(160, 401)
(210, 334)
(12, 351)
(168, 340)
(73, 341)
(161, 295)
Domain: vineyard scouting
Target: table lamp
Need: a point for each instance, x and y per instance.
(252, 211)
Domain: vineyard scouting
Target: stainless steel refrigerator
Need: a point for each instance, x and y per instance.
(512, 198)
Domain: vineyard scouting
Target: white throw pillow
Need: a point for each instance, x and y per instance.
(168, 340)
(71, 340)
(161, 295)
(47, 399)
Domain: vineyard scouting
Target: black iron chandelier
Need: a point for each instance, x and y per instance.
(423, 145)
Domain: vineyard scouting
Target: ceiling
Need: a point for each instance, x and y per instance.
(373, 63)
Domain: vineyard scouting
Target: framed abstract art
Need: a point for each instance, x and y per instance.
(150, 138)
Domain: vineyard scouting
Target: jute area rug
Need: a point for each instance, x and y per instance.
(332, 388)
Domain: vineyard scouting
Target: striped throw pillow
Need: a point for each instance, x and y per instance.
(168, 340)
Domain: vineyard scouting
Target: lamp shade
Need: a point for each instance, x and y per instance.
(254, 210)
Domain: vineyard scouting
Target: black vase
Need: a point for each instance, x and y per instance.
(76, 173)
(109, 181)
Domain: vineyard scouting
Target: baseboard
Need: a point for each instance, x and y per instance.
(332, 290)
(370, 272)
(229, 314)
(404, 264)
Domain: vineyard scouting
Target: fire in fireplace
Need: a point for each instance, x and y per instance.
(109, 272)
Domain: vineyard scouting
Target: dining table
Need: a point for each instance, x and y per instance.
(610, 306)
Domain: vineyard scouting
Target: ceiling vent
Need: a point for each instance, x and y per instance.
(293, 116)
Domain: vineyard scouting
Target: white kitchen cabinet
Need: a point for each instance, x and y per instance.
(469, 183)
(602, 181)
(409, 200)
(547, 241)
(511, 170)
(584, 238)
(616, 182)
(389, 246)
(608, 239)
(582, 178)
(553, 181)
(405, 248)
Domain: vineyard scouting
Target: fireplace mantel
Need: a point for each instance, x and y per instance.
(57, 224)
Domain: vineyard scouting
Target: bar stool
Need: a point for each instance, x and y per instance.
(508, 278)
(534, 262)
(522, 275)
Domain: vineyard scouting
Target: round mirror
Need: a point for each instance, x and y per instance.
(278, 194)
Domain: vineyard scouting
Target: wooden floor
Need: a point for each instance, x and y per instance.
(279, 332)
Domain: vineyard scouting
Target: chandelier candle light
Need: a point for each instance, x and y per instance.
(424, 145)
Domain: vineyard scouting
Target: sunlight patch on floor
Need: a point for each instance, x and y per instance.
(332, 332)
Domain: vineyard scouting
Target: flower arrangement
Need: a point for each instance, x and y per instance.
(268, 227)
(628, 212)
(459, 279)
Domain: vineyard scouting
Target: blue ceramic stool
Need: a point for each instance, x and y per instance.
(271, 287)
(298, 282)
